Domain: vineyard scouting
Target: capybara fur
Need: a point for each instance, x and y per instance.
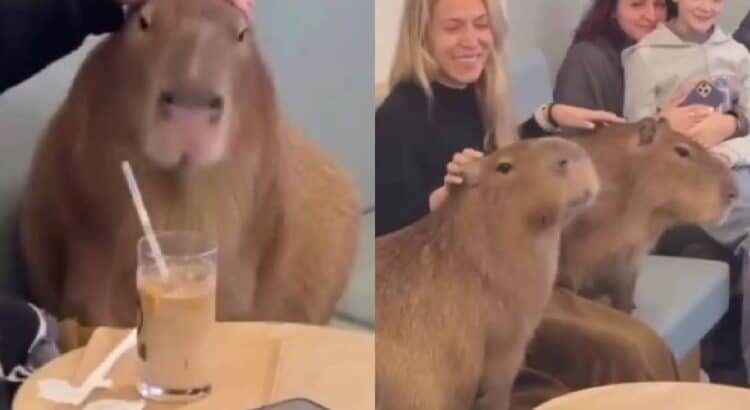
(182, 92)
(460, 292)
(653, 178)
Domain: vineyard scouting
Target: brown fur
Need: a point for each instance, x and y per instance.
(647, 187)
(459, 293)
(285, 216)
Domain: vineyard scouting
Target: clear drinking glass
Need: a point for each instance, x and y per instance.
(176, 317)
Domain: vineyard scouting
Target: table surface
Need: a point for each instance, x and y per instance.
(260, 363)
(654, 396)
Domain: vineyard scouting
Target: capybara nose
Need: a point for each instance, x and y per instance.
(732, 192)
(196, 99)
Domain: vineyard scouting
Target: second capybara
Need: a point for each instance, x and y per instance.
(653, 178)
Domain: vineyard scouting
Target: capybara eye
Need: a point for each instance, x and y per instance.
(144, 23)
(504, 167)
(241, 36)
(682, 151)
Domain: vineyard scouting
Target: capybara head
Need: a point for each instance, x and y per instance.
(676, 177)
(188, 81)
(548, 180)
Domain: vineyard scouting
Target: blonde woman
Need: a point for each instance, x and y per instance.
(448, 92)
(447, 102)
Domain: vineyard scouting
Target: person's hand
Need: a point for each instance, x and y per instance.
(568, 116)
(683, 119)
(713, 130)
(453, 176)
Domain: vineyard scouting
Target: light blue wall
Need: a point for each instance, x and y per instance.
(322, 55)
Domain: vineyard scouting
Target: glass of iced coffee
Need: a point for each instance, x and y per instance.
(176, 317)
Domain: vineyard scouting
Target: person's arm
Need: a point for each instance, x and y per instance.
(640, 95)
(737, 148)
(742, 34)
(550, 119)
(400, 198)
(34, 33)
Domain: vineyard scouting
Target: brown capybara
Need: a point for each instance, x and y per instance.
(652, 179)
(183, 93)
(460, 292)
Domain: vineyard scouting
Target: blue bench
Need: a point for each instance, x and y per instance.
(680, 298)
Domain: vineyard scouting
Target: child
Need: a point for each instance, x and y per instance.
(690, 60)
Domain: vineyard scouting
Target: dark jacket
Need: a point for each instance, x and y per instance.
(591, 76)
(34, 33)
(742, 34)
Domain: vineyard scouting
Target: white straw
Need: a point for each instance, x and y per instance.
(135, 193)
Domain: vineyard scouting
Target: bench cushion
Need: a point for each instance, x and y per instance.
(358, 303)
(682, 299)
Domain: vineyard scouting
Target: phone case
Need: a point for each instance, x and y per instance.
(294, 404)
(705, 93)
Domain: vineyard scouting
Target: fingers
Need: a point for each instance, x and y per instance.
(582, 118)
(462, 158)
(455, 167)
(605, 116)
(453, 180)
(698, 113)
(473, 153)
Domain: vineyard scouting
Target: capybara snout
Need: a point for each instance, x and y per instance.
(192, 81)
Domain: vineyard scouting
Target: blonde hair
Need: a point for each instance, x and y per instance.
(414, 63)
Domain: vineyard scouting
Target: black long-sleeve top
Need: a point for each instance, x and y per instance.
(34, 33)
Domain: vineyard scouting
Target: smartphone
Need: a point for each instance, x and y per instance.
(705, 93)
(294, 404)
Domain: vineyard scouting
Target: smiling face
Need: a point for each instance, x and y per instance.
(192, 72)
(638, 18)
(699, 15)
(460, 40)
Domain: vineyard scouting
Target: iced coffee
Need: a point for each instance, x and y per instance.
(177, 314)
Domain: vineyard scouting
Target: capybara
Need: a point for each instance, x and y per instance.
(182, 92)
(653, 178)
(460, 292)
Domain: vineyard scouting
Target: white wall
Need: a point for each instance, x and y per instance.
(544, 24)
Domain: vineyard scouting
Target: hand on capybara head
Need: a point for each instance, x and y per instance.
(553, 177)
(187, 80)
(679, 178)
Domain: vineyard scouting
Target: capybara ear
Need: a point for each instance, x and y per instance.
(648, 130)
(144, 11)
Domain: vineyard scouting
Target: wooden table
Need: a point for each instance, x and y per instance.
(654, 396)
(258, 364)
